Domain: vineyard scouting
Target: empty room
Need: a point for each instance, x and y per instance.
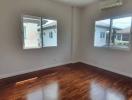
(65, 49)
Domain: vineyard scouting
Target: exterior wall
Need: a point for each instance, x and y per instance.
(47, 41)
(99, 42)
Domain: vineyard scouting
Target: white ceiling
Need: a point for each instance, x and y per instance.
(76, 2)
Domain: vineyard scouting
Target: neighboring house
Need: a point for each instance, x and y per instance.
(122, 37)
(119, 37)
(101, 36)
(50, 33)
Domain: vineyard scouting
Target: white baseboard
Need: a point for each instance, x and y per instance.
(109, 69)
(32, 70)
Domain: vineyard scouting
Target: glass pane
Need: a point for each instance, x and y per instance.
(120, 32)
(101, 38)
(49, 29)
(32, 32)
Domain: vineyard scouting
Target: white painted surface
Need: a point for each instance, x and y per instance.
(76, 34)
(109, 59)
(13, 59)
(78, 3)
(47, 40)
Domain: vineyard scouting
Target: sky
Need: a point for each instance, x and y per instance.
(119, 22)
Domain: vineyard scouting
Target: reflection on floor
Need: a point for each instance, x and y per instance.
(101, 93)
(49, 92)
(68, 82)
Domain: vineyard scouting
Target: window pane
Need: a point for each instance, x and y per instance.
(32, 32)
(120, 32)
(49, 32)
(101, 38)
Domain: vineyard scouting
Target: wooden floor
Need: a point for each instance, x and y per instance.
(69, 82)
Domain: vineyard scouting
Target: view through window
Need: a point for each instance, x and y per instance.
(102, 33)
(39, 32)
(114, 33)
(120, 32)
(32, 33)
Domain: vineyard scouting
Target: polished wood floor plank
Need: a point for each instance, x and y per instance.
(77, 81)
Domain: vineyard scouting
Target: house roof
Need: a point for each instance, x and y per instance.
(124, 31)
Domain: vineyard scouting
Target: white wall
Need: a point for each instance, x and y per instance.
(13, 59)
(114, 60)
(76, 34)
(73, 45)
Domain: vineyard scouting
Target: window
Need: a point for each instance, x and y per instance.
(49, 33)
(32, 33)
(118, 36)
(125, 37)
(39, 32)
(113, 33)
(102, 33)
(122, 27)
